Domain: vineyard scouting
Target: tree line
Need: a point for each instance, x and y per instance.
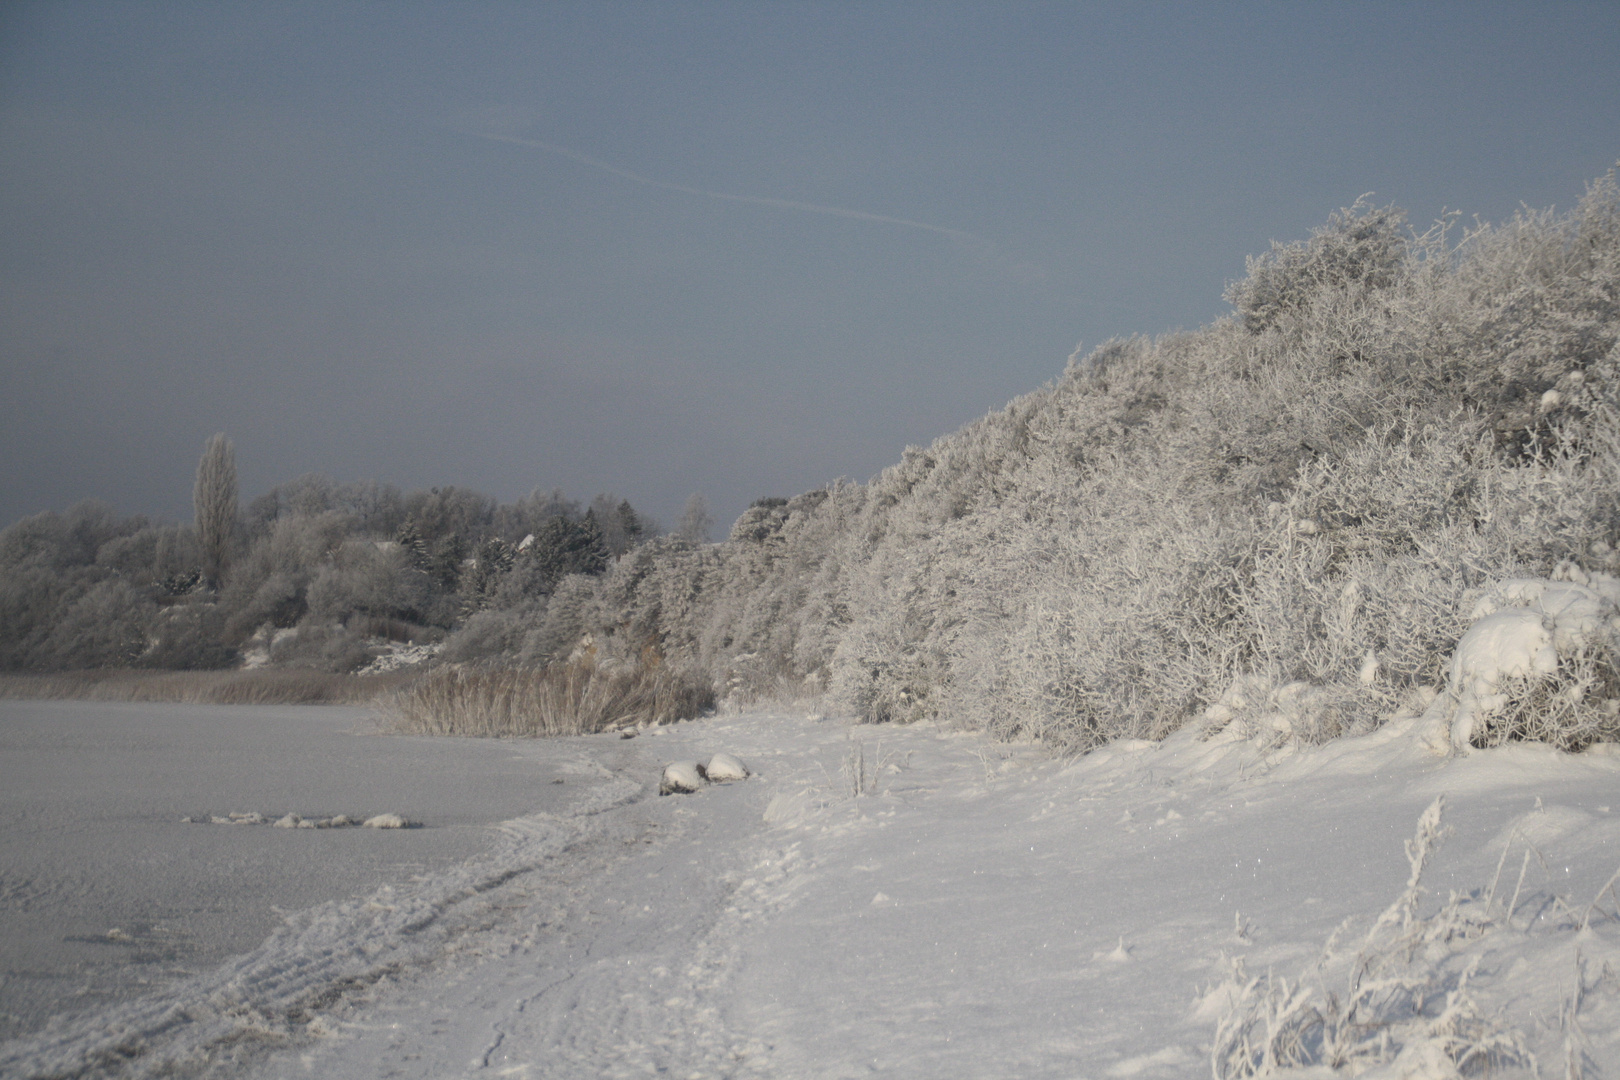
(338, 565)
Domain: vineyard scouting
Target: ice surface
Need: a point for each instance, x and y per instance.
(978, 910)
(93, 797)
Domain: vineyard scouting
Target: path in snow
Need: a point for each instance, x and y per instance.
(983, 911)
(975, 911)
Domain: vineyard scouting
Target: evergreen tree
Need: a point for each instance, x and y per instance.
(564, 547)
(410, 539)
(630, 524)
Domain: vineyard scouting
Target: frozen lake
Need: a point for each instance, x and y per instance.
(106, 894)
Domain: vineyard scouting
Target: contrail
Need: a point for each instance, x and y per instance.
(778, 204)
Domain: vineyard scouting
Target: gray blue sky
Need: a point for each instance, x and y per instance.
(660, 248)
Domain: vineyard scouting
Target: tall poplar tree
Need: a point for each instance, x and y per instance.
(214, 501)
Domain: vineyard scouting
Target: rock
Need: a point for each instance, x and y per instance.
(723, 767)
(681, 778)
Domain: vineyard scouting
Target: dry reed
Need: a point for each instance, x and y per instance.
(576, 698)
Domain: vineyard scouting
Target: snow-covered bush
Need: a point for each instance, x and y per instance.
(1360, 248)
(1304, 497)
(1541, 661)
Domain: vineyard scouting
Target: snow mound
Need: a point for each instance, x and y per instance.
(1521, 630)
(681, 778)
(723, 767)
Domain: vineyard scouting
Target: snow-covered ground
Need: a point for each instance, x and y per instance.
(916, 903)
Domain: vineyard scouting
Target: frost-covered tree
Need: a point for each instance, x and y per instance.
(214, 502)
(696, 522)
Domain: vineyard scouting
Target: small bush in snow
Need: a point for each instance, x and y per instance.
(1402, 1001)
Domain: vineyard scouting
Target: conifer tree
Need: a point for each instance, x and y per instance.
(630, 526)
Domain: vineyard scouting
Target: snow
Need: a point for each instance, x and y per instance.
(916, 902)
(393, 656)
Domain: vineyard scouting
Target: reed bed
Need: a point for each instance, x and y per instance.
(575, 698)
(260, 686)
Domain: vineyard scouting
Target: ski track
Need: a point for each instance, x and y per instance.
(977, 910)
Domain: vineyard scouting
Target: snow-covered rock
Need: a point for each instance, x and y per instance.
(723, 767)
(682, 778)
(388, 821)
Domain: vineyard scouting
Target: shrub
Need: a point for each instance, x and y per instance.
(1360, 248)
(105, 627)
(188, 637)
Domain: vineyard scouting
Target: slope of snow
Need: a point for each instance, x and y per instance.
(912, 902)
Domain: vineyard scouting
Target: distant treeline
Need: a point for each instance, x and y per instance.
(340, 564)
(1300, 498)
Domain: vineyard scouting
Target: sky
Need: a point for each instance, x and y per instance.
(657, 249)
